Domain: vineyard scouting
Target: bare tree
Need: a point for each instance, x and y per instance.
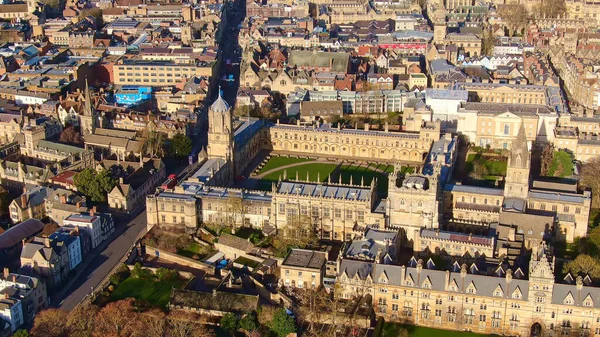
(154, 323)
(551, 8)
(590, 178)
(153, 143)
(80, 321)
(116, 319)
(236, 209)
(184, 324)
(515, 16)
(50, 323)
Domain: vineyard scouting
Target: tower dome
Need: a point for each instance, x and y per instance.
(220, 105)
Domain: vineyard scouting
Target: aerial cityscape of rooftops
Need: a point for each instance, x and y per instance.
(299, 168)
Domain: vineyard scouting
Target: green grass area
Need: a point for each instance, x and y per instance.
(315, 170)
(562, 164)
(393, 330)
(277, 161)
(155, 292)
(485, 167)
(247, 262)
(366, 174)
(195, 251)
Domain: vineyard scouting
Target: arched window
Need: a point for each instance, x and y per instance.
(402, 202)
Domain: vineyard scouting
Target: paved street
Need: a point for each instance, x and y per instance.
(127, 234)
(103, 263)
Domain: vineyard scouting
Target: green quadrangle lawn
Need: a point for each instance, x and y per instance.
(392, 330)
(320, 170)
(366, 174)
(156, 293)
(277, 161)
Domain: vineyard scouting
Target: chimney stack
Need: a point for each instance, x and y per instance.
(24, 200)
(6, 272)
(92, 211)
(47, 241)
(63, 199)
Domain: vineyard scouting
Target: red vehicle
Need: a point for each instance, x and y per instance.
(170, 182)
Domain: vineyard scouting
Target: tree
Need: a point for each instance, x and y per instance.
(154, 143)
(298, 233)
(282, 324)
(313, 303)
(116, 319)
(94, 185)
(515, 16)
(5, 201)
(95, 12)
(229, 323)
(583, 265)
(546, 159)
(154, 323)
(236, 209)
(183, 324)
(70, 136)
(266, 314)
(590, 178)
(50, 323)
(181, 145)
(552, 8)
(21, 333)
(248, 323)
(51, 3)
(80, 322)
(488, 41)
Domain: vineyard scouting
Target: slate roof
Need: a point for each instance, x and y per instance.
(305, 258)
(217, 301)
(35, 196)
(17, 233)
(235, 242)
(399, 275)
(337, 192)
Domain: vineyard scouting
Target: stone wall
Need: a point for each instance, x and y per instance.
(184, 261)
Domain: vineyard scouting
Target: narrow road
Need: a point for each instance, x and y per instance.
(124, 237)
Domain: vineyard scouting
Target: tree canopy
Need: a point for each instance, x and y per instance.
(282, 324)
(229, 323)
(70, 136)
(181, 145)
(95, 185)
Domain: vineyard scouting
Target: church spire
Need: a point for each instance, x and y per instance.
(88, 101)
(519, 152)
